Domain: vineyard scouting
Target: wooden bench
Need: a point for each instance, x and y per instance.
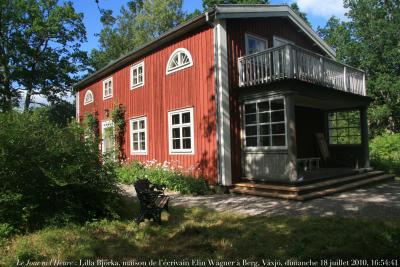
(152, 200)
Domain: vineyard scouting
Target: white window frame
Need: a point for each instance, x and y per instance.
(86, 94)
(247, 36)
(138, 131)
(112, 88)
(180, 67)
(280, 39)
(104, 125)
(173, 151)
(137, 66)
(271, 147)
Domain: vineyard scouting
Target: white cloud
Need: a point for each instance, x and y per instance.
(324, 8)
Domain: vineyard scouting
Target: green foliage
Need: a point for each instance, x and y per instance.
(211, 3)
(50, 174)
(385, 152)
(91, 127)
(118, 118)
(196, 233)
(303, 15)
(370, 40)
(138, 23)
(171, 176)
(40, 42)
(61, 113)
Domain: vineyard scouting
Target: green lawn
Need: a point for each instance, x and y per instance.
(200, 233)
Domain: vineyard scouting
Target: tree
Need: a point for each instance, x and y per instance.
(211, 3)
(370, 40)
(303, 15)
(138, 23)
(40, 50)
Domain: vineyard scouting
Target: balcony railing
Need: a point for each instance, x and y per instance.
(292, 62)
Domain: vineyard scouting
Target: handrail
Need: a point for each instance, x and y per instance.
(289, 61)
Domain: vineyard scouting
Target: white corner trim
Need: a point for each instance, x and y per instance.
(77, 111)
(222, 103)
(176, 51)
(137, 66)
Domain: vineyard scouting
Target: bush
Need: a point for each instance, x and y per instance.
(50, 175)
(173, 177)
(385, 152)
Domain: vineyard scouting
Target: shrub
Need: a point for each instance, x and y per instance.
(172, 176)
(50, 175)
(385, 152)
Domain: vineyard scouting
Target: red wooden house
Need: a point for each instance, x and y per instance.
(241, 93)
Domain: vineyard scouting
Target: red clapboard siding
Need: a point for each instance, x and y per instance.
(190, 87)
(267, 28)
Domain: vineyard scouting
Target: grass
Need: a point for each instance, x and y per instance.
(197, 233)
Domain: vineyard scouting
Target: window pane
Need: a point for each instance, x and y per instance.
(251, 130)
(176, 133)
(186, 132)
(277, 104)
(265, 140)
(278, 140)
(135, 146)
(140, 70)
(263, 106)
(142, 136)
(251, 119)
(135, 137)
(186, 117)
(278, 128)
(142, 145)
(264, 117)
(186, 143)
(277, 116)
(250, 108)
(264, 129)
(251, 141)
(175, 119)
(141, 124)
(176, 143)
(134, 125)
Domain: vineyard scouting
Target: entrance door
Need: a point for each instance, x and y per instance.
(108, 139)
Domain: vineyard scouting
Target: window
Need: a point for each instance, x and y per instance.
(265, 123)
(108, 140)
(255, 44)
(344, 127)
(139, 135)
(108, 88)
(137, 75)
(88, 97)
(181, 132)
(281, 41)
(180, 59)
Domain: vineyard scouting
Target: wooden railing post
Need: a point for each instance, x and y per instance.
(345, 79)
(364, 88)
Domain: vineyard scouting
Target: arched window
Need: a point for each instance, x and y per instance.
(88, 97)
(180, 59)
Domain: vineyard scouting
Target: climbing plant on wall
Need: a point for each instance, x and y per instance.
(118, 118)
(91, 125)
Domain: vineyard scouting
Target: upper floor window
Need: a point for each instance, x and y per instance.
(88, 97)
(108, 88)
(180, 59)
(181, 131)
(344, 128)
(265, 123)
(255, 44)
(281, 41)
(137, 75)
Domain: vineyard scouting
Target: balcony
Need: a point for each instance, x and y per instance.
(292, 62)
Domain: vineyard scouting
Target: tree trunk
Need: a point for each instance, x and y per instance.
(27, 100)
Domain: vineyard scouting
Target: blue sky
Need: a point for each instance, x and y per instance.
(317, 12)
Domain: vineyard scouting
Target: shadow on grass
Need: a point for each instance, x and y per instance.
(197, 233)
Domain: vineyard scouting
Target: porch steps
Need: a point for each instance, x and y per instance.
(311, 190)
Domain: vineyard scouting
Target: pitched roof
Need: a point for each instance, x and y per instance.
(224, 11)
